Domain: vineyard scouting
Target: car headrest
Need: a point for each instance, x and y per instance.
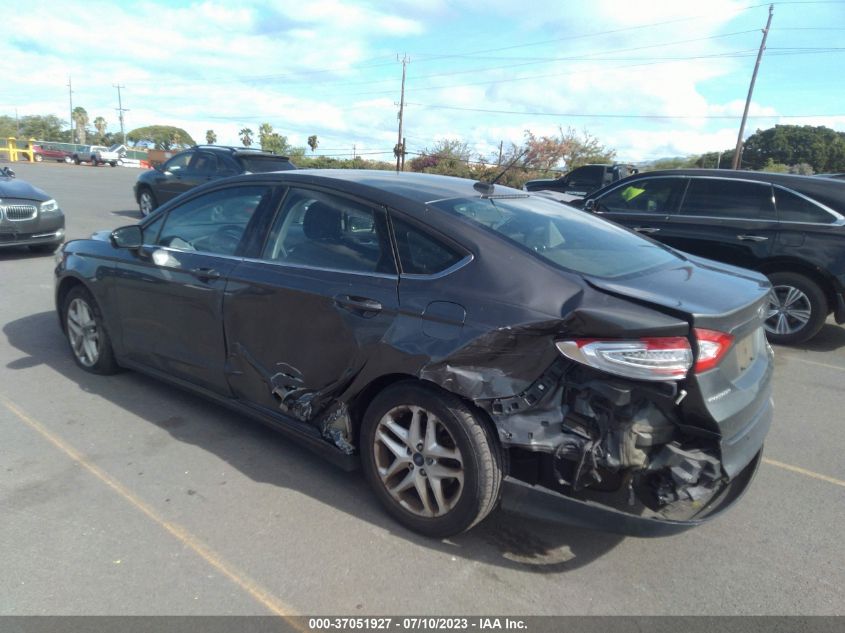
(321, 222)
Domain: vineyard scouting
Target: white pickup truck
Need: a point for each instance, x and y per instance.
(100, 155)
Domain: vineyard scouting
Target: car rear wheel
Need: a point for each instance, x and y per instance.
(68, 160)
(146, 202)
(434, 464)
(797, 309)
(76, 160)
(89, 342)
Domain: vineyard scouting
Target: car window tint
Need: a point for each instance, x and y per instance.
(587, 178)
(151, 229)
(564, 236)
(794, 208)
(204, 163)
(261, 164)
(419, 253)
(213, 222)
(713, 197)
(650, 195)
(180, 161)
(320, 230)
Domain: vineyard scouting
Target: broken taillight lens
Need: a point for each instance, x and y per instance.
(712, 347)
(656, 358)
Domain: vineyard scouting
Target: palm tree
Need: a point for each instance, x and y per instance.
(313, 142)
(246, 136)
(210, 137)
(265, 133)
(100, 124)
(80, 118)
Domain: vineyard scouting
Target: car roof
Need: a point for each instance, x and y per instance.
(410, 186)
(238, 151)
(827, 190)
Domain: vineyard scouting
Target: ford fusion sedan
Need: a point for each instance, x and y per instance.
(466, 344)
(28, 216)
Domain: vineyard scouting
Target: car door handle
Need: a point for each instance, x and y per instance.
(205, 274)
(362, 305)
(646, 229)
(751, 238)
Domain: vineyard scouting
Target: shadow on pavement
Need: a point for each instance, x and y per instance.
(133, 214)
(502, 540)
(830, 338)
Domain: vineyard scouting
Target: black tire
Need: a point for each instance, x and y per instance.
(76, 160)
(147, 194)
(481, 459)
(94, 162)
(813, 299)
(105, 362)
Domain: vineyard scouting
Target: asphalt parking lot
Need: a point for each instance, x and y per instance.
(122, 495)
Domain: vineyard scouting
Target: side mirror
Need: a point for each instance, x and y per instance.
(127, 237)
(590, 205)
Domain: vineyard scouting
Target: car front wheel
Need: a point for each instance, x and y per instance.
(89, 342)
(434, 464)
(146, 202)
(38, 158)
(797, 309)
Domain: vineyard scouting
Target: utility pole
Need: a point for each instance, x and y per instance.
(17, 125)
(70, 97)
(120, 110)
(738, 151)
(399, 150)
(403, 153)
(353, 151)
(501, 145)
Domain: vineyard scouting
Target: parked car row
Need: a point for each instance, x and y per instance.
(69, 153)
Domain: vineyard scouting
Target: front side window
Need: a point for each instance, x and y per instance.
(320, 230)
(794, 208)
(214, 222)
(713, 197)
(178, 162)
(566, 237)
(650, 195)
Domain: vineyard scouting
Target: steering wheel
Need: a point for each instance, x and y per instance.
(225, 239)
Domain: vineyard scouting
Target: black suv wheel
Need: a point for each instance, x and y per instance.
(797, 309)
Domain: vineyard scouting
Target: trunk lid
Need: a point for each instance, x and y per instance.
(731, 400)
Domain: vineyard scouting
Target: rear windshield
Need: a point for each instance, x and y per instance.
(261, 164)
(571, 239)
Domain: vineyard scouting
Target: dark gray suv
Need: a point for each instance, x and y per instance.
(198, 165)
(791, 228)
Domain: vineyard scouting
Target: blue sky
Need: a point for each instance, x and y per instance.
(648, 78)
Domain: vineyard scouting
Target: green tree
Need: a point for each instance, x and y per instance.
(246, 136)
(80, 119)
(819, 146)
(100, 125)
(210, 137)
(313, 142)
(164, 137)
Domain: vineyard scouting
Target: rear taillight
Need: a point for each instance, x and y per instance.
(654, 358)
(712, 347)
(657, 358)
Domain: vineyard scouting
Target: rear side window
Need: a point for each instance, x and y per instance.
(204, 163)
(794, 208)
(650, 195)
(419, 253)
(321, 230)
(712, 197)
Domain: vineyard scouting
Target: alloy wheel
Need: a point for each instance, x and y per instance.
(146, 203)
(789, 310)
(418, 461)
(83, 333)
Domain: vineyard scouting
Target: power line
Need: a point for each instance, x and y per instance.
(616, 116)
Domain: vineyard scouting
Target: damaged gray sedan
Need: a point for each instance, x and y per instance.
(465, 343)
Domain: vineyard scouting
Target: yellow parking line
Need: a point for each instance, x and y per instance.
(258, 593)
(812, 362)
(804, 471)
